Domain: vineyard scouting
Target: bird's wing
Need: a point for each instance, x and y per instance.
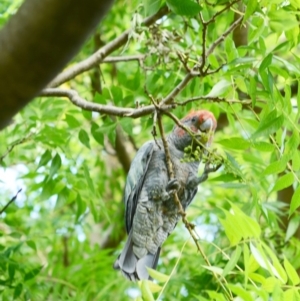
(135, 180)
(189, 196)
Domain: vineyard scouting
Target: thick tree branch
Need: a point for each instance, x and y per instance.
(98, 56)
(36, 44)
(104, 109)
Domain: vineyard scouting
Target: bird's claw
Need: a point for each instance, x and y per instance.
(173, 184)
(195, 181)
(172, 187)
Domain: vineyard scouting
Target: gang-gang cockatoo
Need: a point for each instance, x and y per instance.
(151, 213)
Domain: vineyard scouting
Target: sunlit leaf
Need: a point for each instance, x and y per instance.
(219, 88)
(295, 203)
(184, 8)
(291, 272)
(55, 165)
(151, 7)
(157, 275)
(84, 138)
(32, 273)
(284, 181)
(232, 261)
(146, 292)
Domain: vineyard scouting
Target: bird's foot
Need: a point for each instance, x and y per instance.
(195, 181)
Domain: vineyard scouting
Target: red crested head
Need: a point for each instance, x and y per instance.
(201, 122)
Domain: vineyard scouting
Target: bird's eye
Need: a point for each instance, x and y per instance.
(194, 119)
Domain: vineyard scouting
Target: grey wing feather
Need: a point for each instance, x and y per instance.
(135, 180)
(189, 196)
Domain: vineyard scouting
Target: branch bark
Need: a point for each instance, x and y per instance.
(36, 44)
(104, 109)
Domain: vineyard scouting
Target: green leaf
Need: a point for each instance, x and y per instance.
(291, 272)
(157, 275)
(88, 178)
(151, 7)
(213, 269)
(154, 288)
(97, 134)
(291, 295)
(298, 95)
(295, 202)
(278, 270)
(282, 20)
(265, 129)
(46, 157)
(238, 225)
(252, 90)
(232, 261)
(283, 182)
(11, 271)
(72, 121)
(219, 88)
(263, 146)
(31, 244)
(213, 296)
(81, 207)
(32, 273)
(146, 292)
(117, 94)
(99, 98)
(296, 160)
(55, 165)
(266, 62)
(276, 167)
(241, 292)
(292, 227)
(84, 138)
(127, 125)
(292, 143)
(235, 143)
(184, 8)
(86, 114)
(18, 291)
(270, 283)
(233, 165)
(251, 6)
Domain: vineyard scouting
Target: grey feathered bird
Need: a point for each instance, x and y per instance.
(151, 213)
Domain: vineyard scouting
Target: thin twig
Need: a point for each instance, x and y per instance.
(223, 36)
(213, 99)
(126, 58)
(13, 199)
(213, 18)
(171, 96)
(11, 147)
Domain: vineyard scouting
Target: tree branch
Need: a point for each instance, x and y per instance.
(127, 58)
(223, 36)
(37, 42)
(98, 56)
(104, 109)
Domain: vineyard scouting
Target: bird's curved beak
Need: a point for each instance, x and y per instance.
(207, 125)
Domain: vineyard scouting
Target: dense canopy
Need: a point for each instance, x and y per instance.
(65, 156)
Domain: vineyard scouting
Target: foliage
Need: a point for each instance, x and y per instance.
(60, 237)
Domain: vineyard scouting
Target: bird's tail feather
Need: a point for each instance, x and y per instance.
(132, 267)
